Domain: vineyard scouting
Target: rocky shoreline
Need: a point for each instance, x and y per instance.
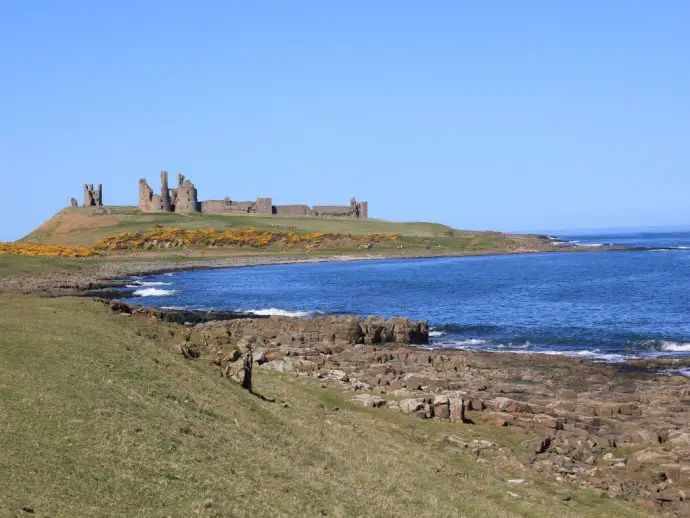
(622, 430)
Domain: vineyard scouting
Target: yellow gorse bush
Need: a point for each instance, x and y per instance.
(242, 237)
(45, 250)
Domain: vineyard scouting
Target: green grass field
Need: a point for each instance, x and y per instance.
(99, 418)
(85, 225)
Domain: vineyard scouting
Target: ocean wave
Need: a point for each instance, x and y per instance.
(279, 312)
(511, 345)
(461, 344)
(676, 347)
(145, 283)
(153, 292)
(590, 354)
(465, 328)
(664, 346)
(436, 333)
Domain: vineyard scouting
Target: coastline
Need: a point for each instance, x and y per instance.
(619, 430)
(100, 278)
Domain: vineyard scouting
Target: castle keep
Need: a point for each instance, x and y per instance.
(184, 199)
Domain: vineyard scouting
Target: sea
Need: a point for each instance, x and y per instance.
(607, 306)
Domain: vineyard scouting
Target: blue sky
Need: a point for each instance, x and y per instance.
(490, 115)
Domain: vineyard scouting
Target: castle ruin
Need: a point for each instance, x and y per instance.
(184, 199)
(93, 197)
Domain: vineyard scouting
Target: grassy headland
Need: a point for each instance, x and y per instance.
(86, 226)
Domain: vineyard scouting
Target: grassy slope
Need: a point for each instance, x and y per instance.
(85, 226)
(97, 418)
(24, 265)
(74, 226)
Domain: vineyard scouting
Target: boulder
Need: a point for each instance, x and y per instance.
(370, 401)
(442, 407)
(396, 385)
(504, 404)
(539, 445)
(475, 404)
(649, 457)
(417, 381)
(411, 405)
(456, 409)
(378, 330)
(279, 366)
(566, 394)
(338, 375)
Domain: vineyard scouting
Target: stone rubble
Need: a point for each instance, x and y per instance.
(621, 430)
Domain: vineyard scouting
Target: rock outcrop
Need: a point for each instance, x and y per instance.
(620, 430)
(331, 330)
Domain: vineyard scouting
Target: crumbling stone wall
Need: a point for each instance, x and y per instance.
(333, 210)
(148, 201)
(226, 207)
(292, 210)
(264, 206)
(185, 199)
(182, 199)
(93, 197)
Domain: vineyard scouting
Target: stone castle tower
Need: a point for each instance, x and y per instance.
(186, 196)
(182, 199)
(93, 197)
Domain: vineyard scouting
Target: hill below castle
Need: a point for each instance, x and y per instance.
(86, 226)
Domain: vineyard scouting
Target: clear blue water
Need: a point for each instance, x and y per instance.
(673, 240)
(608, 305)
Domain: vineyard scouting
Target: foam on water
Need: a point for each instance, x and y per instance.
(478, 344)
(152, 292)
(151, 283)
(675, 347)
(461, 344)
(279, 312)
(591, 354)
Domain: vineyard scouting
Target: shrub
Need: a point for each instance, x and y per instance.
(45, 250)
(243, 237)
